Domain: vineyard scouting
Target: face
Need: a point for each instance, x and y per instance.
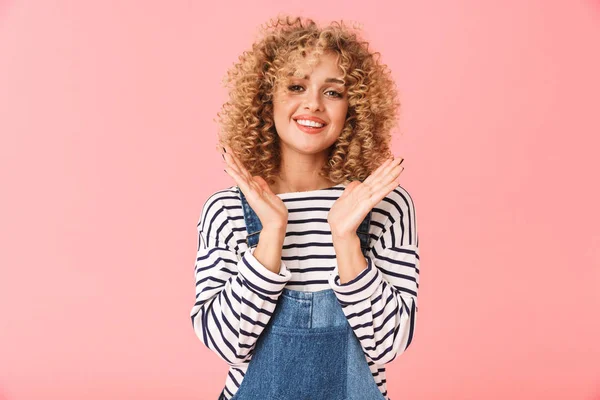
(310, 112)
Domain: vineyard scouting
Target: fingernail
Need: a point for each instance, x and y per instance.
(224, 150)
(222, 156)
(401, 161)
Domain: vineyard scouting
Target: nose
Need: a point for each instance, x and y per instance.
(313, 101)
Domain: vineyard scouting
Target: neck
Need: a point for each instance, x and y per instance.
(299, 172)
(300, 176)
(282, 186)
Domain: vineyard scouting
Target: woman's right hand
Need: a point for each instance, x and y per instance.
(269, 208)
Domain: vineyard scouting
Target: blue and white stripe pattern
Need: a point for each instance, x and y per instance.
(236, 295)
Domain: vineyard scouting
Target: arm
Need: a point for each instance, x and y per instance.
(380, 301)
(235, 294)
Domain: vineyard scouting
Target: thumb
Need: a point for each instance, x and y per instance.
(263, 184)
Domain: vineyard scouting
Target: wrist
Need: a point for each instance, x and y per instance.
(273, 232)
(343, 236)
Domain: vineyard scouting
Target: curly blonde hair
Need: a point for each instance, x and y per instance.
(246, 119)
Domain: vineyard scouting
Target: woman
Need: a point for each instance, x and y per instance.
(308, 268)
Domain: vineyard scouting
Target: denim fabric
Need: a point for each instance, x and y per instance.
(308, 351)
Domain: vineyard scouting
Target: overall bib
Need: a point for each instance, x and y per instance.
(307, 351)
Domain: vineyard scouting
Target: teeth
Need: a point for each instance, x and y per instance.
(305, 122)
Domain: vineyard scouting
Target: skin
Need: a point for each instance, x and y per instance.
(303, 154)
(351, 208)
(302, 157)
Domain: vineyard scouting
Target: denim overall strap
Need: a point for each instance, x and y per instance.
(253, 226)
(307, 351)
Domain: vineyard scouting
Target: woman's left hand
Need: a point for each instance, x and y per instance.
(350, 209)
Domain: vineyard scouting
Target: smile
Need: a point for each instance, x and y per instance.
(306, 122)
(310, 127)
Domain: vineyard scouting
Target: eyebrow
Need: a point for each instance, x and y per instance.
(328, 80)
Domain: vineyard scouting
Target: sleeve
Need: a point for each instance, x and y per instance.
(381, 302)
(235, 294)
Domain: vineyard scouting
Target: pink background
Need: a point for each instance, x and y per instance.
(107, 121)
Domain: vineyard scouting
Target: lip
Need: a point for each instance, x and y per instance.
(309, 118)
(310, 129)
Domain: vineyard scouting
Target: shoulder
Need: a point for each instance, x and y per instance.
(397, 210)
(397, 203)
(219, 201)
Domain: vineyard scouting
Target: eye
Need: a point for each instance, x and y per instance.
(335, 94)
(294, 88)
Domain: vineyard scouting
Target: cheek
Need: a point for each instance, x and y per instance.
(278, 111)
(340, 114)
(281, 108)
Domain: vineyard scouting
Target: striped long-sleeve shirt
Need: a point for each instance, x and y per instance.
(236, 295)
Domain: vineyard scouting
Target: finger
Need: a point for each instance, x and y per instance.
(237, 164)
(388, 168)
(263, 184)
(382, 166)
(374, 181)
(234, 167)
(389, 174)
(244, 185)
(229, 160)
(382, 191)
(377, 171)
(386, 180)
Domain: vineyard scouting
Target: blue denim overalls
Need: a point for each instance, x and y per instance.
(307, 351)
